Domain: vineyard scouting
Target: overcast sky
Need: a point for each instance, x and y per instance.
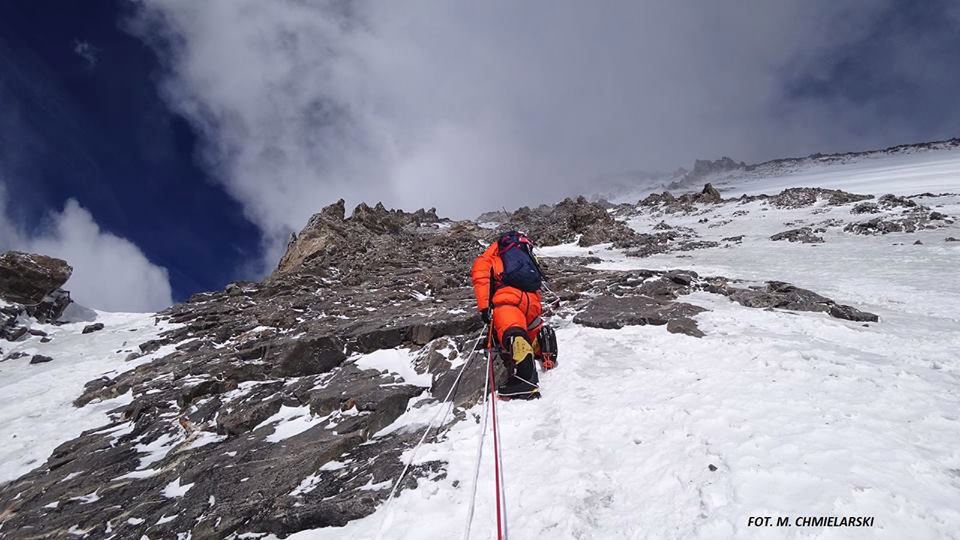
(470, 106)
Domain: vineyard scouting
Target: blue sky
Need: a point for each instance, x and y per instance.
(182, 141)
(92, 127)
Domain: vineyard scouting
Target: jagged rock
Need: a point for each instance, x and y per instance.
(882, 225)
(705, 167)
(50, 308)
(27, 278)
(892, 201)
(656, 199)
(710, 194)
(91, 328)
(803, 234)
(803, 197)
(918, 243)
(40, 359)
(568, 219)
(15, 355)
(950, 239)
(13, 332)
(738, 239)
(776, 294)
(865, 208)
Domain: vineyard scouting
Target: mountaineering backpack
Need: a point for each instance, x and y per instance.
(520, 268)
(547, 339)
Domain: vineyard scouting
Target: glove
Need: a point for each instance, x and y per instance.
(485, 315)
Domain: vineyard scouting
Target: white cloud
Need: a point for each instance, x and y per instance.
(469, 106)
(109, 272)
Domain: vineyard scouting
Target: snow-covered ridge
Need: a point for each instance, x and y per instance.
(922, 165)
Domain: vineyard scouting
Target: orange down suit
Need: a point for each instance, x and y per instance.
(512, 307)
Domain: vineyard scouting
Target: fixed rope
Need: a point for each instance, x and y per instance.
(476, 465)
(497, 467)
(388, 516)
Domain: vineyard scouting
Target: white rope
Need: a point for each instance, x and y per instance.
(476, 467)
(387, 519)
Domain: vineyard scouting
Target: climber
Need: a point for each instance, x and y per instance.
(506, 282)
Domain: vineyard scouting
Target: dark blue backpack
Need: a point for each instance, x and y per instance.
(520, 268)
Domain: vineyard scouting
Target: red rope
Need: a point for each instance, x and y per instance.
(496, 442)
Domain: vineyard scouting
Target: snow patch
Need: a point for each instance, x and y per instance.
(398, 361)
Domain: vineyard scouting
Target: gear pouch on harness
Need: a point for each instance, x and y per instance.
(520, 268)
(547, 340)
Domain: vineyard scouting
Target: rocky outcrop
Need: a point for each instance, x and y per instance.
(918, 220)
(776, 294)
(32, 284)
(27, 278)
(91, 328)
(685, 202)
(617, 312)
(329, 233)
(804, 197)
(705, 167)
(865, 208)
(804, 235)
(569, 220)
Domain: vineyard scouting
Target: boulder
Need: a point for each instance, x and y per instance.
(28, 278)
(803, 234)
(91, 328)
(40, 359)
(616, 312)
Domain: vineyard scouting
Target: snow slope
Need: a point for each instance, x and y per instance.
(646, 434)
(36, 400)
(908, 174)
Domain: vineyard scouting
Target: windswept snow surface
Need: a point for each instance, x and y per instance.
(647, 434)
(36, 400)
(931, 171)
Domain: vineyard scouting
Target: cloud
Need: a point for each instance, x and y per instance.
(109, 272)
(470, 106)
(86, 51)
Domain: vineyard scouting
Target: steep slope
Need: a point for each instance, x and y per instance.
(696, 386)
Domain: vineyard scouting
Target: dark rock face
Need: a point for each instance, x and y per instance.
(613, 313)
(32, 283)
(51, 308)
(803, 234)
(91, 328)
(244, 359)
(27, 278)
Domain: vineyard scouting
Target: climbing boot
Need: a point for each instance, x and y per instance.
(523, 383)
